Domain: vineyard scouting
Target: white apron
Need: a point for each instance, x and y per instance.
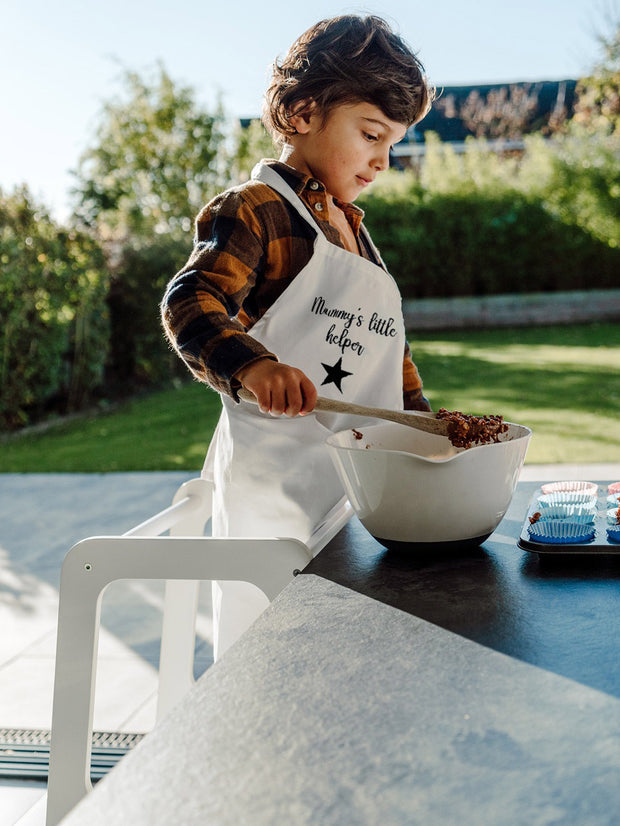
(340, 322)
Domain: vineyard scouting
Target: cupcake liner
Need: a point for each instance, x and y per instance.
(614, 487)
(612, 516)
(613, 500)
(560, 532)
(613, 534)
(589, 488)
(567, 497)
(583, 514)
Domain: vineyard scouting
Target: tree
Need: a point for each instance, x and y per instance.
(598, 96)
(251, 143)
(156, 159)
(504, 113)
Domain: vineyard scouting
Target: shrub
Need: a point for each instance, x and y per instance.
(53, 323)
(138, 354)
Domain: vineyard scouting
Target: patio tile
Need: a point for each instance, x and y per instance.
(142, 719)
(124, 682)
(26, 686)
(36, 815)
(21, 802)
(28, 610)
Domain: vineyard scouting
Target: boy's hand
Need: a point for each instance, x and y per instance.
(278, 388)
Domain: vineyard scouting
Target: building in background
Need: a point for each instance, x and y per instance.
(503, 113)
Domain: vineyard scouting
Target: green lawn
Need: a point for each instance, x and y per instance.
(167, 430)
(563, 382)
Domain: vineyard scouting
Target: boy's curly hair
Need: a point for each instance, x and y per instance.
(347, 59)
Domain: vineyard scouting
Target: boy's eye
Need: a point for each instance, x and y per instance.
(370, 137)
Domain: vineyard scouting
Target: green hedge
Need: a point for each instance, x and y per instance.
(139, 354)
(478, 223)
(438, 245)
(53, 318)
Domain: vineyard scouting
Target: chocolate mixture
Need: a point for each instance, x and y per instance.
(465, 431)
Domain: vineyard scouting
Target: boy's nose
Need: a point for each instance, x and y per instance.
(382, 160)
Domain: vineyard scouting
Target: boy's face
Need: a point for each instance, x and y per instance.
(346, 150)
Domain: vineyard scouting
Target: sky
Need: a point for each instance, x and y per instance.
(61, 59)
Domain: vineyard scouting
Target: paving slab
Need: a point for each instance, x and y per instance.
(41, 517)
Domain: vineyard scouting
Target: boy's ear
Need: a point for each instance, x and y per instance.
(302, 113)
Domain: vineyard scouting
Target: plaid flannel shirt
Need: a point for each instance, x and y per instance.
(250, 244)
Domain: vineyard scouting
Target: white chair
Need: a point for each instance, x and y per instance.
(183, 558)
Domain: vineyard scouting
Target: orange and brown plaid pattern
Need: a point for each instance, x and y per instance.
(250, 244)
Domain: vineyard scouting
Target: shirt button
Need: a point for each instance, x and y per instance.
(314, 184)
(319, 207)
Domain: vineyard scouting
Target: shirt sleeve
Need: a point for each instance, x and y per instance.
(413, 397)
(202, 302)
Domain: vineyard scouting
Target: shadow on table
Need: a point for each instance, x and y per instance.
(553, 613)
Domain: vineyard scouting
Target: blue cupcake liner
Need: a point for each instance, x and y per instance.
(613, 500)
(584, 514)
(613, 534)
(549, 514)
(560, 532)
(551, 500)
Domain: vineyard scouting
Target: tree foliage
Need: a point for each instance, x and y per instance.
(251, 143)
(156, 158)
(598, 96)
(154, 161)
(504, 113)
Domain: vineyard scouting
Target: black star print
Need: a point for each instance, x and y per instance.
(335, 374)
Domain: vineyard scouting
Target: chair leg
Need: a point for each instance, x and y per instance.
(76, 665)
(178, 637)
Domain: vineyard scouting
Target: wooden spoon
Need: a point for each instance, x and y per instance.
(420, 420)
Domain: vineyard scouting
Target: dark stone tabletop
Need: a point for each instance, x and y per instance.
(557, 612)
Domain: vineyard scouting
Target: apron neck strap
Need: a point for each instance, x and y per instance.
(264, 173)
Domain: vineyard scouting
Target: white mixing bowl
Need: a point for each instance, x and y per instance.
(413, 488)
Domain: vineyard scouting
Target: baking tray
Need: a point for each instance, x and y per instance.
(599, 545)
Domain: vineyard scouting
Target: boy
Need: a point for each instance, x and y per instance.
(285, 293)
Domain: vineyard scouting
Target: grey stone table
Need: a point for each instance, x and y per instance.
(380, 690)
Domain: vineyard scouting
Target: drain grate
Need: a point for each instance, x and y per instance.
(25, 753)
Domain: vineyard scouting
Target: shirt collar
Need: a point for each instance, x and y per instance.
(304, 185)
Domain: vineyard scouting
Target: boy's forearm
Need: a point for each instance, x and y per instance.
(213, 346)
